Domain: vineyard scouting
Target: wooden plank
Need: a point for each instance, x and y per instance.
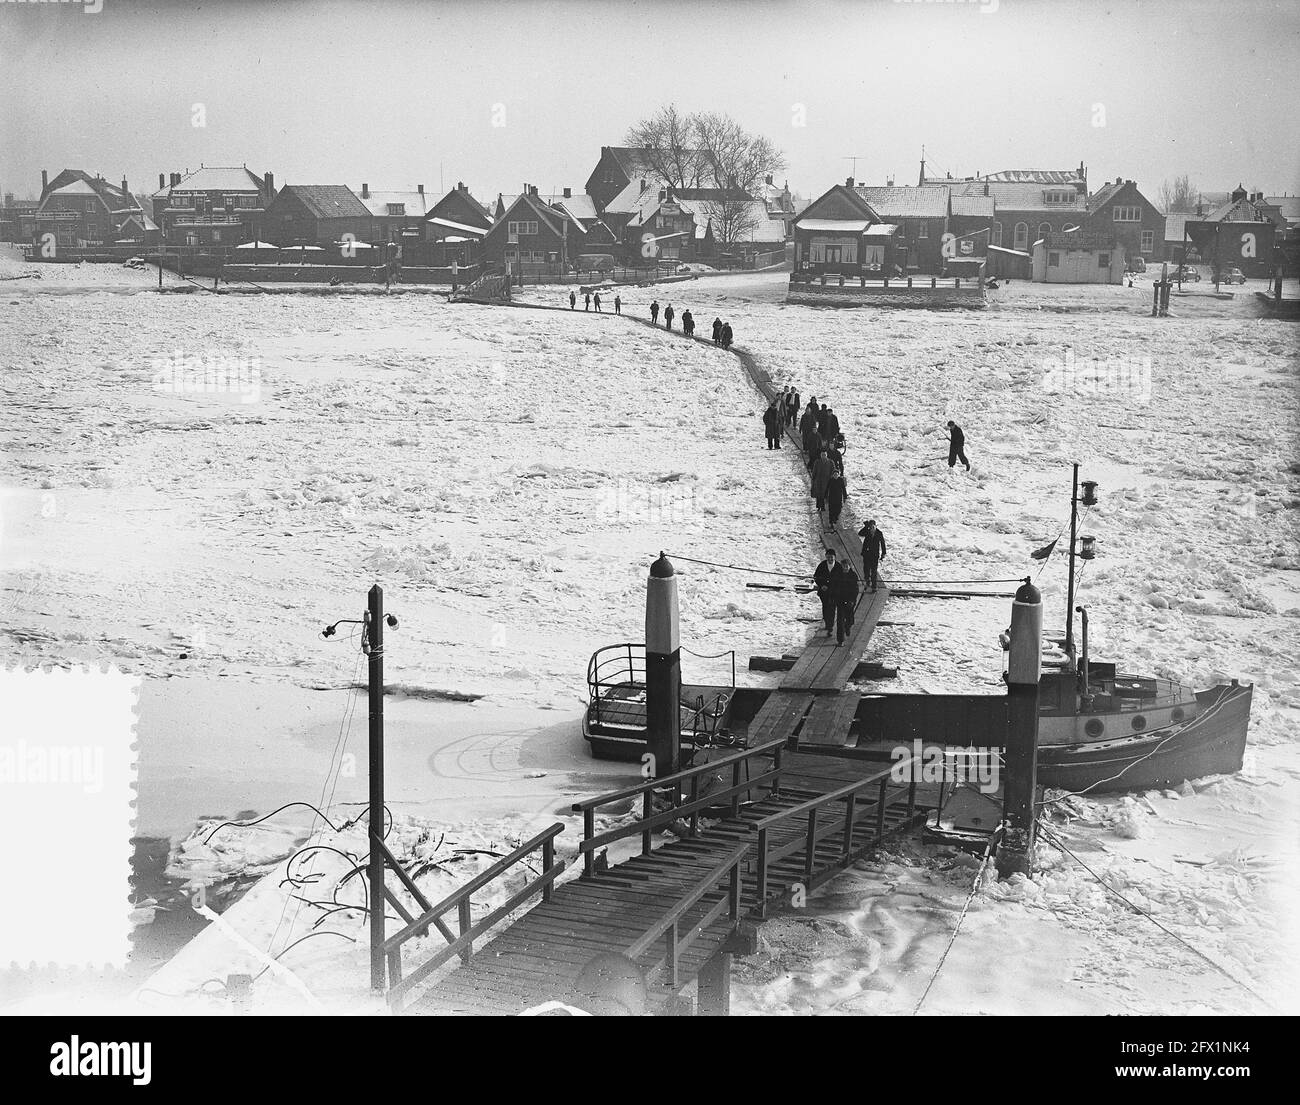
(829, 720)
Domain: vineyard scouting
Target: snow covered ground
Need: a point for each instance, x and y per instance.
(507, 475)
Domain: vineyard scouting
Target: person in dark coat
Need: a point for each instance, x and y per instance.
(726, 335)
(873, 552)
(824, 578)
(654, 311)
(618, 305)
(956, 445)
(573, 300)
(845, 590)
(814, 408)
(717, 331)
(688, 324)
(668, 317)
(832, 429)
(587, 303)
(822, 471)
(808, 420)
(836, 492)
(792, 407)
(812, 445)
(837, 456)
(596, 300)
(772, 426)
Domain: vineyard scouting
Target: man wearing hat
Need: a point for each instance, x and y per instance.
(873, 552)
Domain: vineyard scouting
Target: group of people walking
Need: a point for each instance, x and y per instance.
(722, 333)
(594, 299)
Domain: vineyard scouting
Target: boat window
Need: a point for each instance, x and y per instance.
(1095, 727)
(1139, 723)
(1177, 714)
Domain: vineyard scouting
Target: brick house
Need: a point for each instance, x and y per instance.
(212, 206)
(839, 234)
(620, 166)
(1119, 209)
(398, 216)
(316, 214)
(83, 210)
(1241, 233)
(1028, 203)
(457, 225)
(921, 214)
(531, 234)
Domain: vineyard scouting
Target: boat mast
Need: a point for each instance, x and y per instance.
(1069, 598)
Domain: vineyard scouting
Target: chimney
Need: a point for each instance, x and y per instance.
(125, 190)
(269, 181)
(644, 184)
(663, 194)
(848, 182)
(889, 182)
(460, 187)
(365, 191)
(176, 179)
(420, 188)
(532, 189)
(568, 193)
(45, 181)
(986, 188)
(162, 181)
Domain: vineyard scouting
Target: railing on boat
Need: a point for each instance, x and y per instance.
(622, 667)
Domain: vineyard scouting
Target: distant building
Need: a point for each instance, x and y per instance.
(212, 206)
(81, 210)
(398, 216)
(1118, 208)
(18, 219)
(316, 214)
(1078, 257)
(457, 225)
(619, 166)
(839, 234)
(530, 232)
(920, 212)
(1241, 233)
(1029, 203)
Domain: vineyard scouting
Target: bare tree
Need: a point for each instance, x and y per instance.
(666, 145)
(740, 163)
(1178, 196)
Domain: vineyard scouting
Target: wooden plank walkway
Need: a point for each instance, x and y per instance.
(537, 959)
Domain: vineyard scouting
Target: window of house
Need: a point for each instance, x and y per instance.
(1022, 235)
(1044, 229)
(246, 201)
(1103, 260)
(524, 228)
(191, 239)
(1058, 197)
(997, 233)
(216, 235)
(1053, 260)
(396, 208)
(1127, 214)
(922, 230)
(1148, 241)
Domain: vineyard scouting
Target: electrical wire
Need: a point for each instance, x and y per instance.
(250, 824)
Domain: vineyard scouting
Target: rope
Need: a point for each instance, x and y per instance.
(988, 851)
(1055, 842)
(710, 655)
(805, 575)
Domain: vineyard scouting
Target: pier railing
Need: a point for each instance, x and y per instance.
(462, 945)
(684, 800)
(816, 827)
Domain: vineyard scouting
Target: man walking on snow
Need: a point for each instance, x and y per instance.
(654, 311)
(772, 426)
(873, 552)
(846, 600)
(824, 580)
(956, 446)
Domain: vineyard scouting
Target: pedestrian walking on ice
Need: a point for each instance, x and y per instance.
(824, 578)
(668, 317)
(873, 552)
(587, 304)
(717, 331)
(792, 407)
(596, 301)
(956, 445)
(654, 311)
(573, 300)
(618, 305)
(845, 588)
(726, 335)
(688, 324)
(836, 492)
(772, 425)
(822, 471)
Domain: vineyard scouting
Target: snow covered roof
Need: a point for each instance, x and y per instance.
(216, 178)
(838, 226)
(1288, 205)
(416, 203)
(973, 206)
(926, 201)
(75, 188)
(328, 201)
(460, 228)
(880, 230)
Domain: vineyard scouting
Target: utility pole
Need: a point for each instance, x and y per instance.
(374, 640)
(1069, 598)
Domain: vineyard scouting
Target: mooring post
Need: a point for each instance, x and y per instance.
(375, 868)
(663, 669)
(1024, 668)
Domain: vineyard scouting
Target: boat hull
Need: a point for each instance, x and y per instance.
(1212, 743)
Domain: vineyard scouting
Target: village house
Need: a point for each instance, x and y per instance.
(1240, 233)
(398, 216)
(212, 206)
(1029, 203)
(620, 166)
(597, 237)
(18, 219)
(530, 235)
(665, 226)
(921, 214)
(316, 214)
(81, 210)
(839, 234)
(780, 204)
(456, 225)
(1079, 257)
(1120, 209)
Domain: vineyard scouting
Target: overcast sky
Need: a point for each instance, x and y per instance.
(396, 93)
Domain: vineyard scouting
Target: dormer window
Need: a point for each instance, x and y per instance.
(1058, 197)
(397, 209)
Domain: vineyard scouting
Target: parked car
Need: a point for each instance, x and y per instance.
(1185, 274)
(596, 262)
(1137, 264)
(1232, 276)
